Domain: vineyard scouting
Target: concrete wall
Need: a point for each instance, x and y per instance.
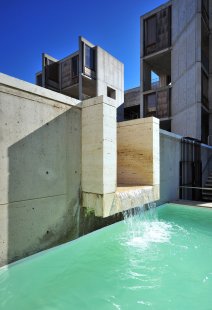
(138, 152)
(110, 72)
(170, 155)
(58, 154)
(132, 97)
(40, 168)
(186, 68)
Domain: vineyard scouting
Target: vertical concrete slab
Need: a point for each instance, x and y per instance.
(99, 146)
(186, 68)
(110, 73)
(40, 166)
(99, 154)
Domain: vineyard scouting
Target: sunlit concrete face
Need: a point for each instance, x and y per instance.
(59, 157)
(40, 168)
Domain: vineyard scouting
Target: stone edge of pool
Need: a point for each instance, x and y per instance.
(193, 203)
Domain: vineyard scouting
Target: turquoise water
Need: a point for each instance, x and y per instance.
(160, 259)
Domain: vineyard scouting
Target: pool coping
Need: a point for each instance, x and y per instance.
(193, 203)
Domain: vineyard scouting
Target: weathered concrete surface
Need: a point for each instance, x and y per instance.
(40, 168)
(110, 72)
(53, 161)
(186, 69)
(170, 156)
(132, 97)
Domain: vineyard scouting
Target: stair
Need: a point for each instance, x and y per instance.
(207, 194)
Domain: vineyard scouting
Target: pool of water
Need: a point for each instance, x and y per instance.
(160, 259)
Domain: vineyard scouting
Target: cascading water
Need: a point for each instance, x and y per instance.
(144, 227)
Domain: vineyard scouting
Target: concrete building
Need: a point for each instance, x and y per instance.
(67, 167)
(87, 73)
(176, 68)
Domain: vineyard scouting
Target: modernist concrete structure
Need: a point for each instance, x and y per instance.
(87, 73)
(176, 68)
(64, 164)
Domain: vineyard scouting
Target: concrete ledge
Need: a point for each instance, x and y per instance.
(139, 121)
(6, 80)
(170, 134)
(99, 100)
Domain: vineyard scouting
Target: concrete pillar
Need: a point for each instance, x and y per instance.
(99, 153)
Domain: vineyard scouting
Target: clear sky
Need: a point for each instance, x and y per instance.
(30, 27)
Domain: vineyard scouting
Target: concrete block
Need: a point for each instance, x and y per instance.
(99, 146)
(110, 73)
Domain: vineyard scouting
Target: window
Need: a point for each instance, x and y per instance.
(151, 30)
(89, 57)
(150, 105)
(75, 66)
(111, 92)
(157, 31)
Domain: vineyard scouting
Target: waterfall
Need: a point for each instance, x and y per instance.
(144, 227)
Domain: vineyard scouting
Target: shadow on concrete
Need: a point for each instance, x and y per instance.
(44, 185)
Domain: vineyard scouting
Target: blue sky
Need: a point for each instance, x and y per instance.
(30, 27)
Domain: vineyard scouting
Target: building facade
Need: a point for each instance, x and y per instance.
(87, 73)
(176, 68)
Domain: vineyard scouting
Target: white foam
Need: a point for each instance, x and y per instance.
(150, 232)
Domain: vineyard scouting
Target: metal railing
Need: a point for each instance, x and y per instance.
(196, 187)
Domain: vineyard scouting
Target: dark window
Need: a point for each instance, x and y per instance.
(151, 105)
(204, 89)
(52, 72)
(111, 92)
(75, 66)
(132, 112)
(205, 46)
(157, 31)
(89, 57)
(151, 30)
(205, 126)
(163, 99)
